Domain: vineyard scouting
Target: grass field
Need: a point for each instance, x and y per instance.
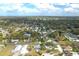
(7, 50)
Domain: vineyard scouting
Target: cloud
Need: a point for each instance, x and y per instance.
(69, 10)
(73, 8)
(62, 5)
(75, 5)
(39, 1)
(45, 6)
(17, 7)
(27, 8)
(48, 9)
(39, 7)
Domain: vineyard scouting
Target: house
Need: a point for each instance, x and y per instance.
(24, 50)
(2, 45)
(17, 49)
(50, 44)
(59, 48)
(67, 48)
(37, 47)
(53, 30)
(47, 54)
(75, 54)
(36, 29)
(49, 40)
(4, 41)
(49, 47)
(44, 32)
(21, 49)
(67, 53)
(15, 41)
(39, 42)
(17, 29)
(71, 37)
(28, 34)
(27, 28)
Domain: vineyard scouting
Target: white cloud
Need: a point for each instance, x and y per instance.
(50, 8)
(22, 9)
(41, 5)
(69, 10)
(39, 1)
(73, 8)
(75, 5)
(17, 7)
(9, 7)
(28, 10)
(44, 6)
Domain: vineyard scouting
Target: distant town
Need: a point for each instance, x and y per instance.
(39, 36)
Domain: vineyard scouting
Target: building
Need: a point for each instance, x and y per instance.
(17, 49)
(20, 50)
(71, 37)
(37, 47)
(67, 48)
(2, 45)
(28, 34)
(47, 54)
(75, 54)
(24, 50)
(59, 48)
(15, 41)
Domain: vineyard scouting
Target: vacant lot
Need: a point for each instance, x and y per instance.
(7, 50)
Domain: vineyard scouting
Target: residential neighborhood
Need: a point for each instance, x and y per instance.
(39, 36)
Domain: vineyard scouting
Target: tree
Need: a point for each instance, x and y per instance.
(1, 36)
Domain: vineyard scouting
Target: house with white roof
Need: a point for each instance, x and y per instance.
(75, 54)
(24, 50)
(20, 50)
(15, 41)
(17, 29)
(47, 54)
(71, 37)
(17, 48)
(37, 47)
(2, 45)
(27, 34)
(59, 48)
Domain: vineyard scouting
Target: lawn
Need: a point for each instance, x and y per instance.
(7, 50)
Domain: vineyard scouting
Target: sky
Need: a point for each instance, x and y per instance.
(39, 7)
